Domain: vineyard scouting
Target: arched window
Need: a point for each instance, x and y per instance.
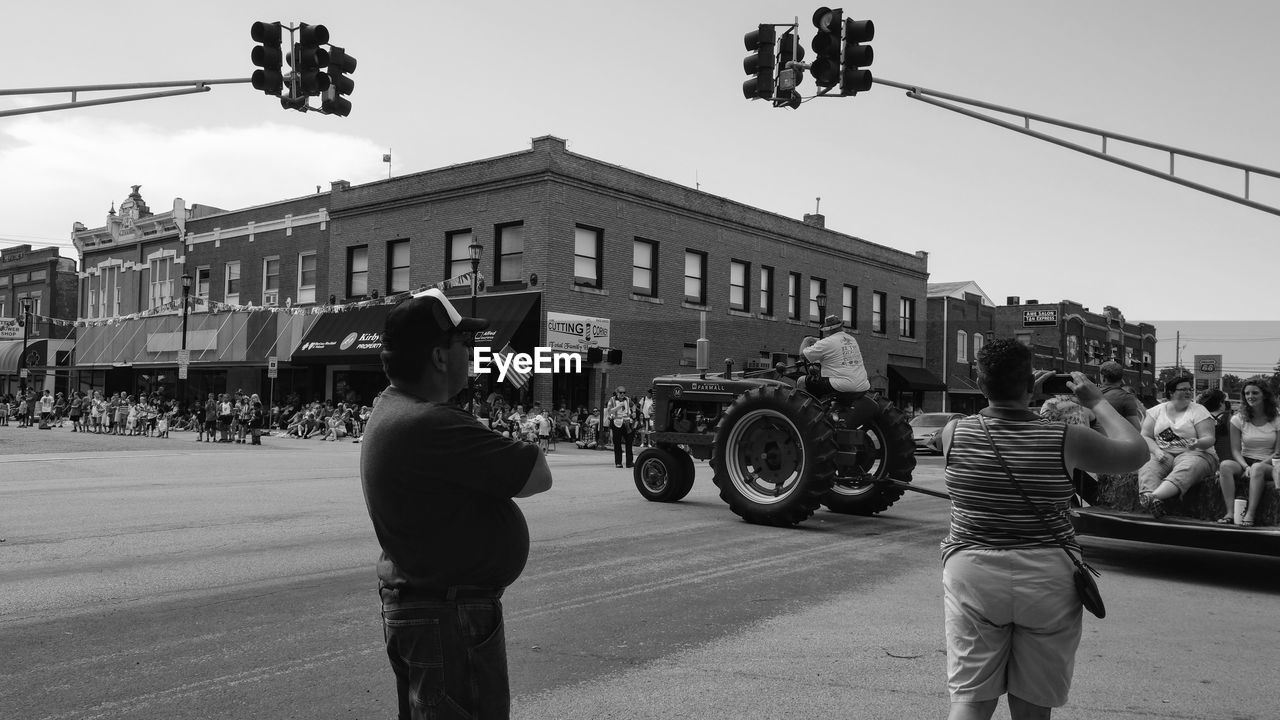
(977, 344)
(962, 346)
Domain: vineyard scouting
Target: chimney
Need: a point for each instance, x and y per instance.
(337, 186)
(1013, 300)
(815, 219)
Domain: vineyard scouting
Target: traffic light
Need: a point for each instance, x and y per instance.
(267, 55)
(309, 58)
(789, 78)
(826, 46)
(854, 79)
(595, 355)
(340, 64)
(613, 356)
(759, 64)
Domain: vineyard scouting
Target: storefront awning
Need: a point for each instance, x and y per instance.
(914, 378)
(355, 337)
(11, 355)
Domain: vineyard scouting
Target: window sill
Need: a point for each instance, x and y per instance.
(741, 313)
(588, 290)
(647, 299)
(693, 306)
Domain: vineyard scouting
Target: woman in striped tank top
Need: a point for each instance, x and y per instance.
(1013, 619)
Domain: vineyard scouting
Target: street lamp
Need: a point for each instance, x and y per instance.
(475, 251)
(26, 329)
(822, 307)
(183, 360)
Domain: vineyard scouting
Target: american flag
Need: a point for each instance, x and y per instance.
(515, 377)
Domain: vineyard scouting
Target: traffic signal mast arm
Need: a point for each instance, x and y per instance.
(949, 102)
(189, 87)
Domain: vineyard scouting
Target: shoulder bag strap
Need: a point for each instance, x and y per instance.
(1079, 563)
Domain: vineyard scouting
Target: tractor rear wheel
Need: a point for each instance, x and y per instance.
(890, 453)
(773, 456)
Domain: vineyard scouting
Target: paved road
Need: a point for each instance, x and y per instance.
(147, 578)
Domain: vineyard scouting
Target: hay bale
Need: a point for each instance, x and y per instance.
(1202, 502)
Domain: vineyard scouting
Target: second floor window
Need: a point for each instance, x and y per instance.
(766, 290)
(271, 281)
(739, 290)
(588, 244)
(398, 267)
(357, 271)
(907, 317)
(962, 346)
(877, 311)
(695, 277)
(510, 251)
(109, 297)
(161, 282)
(457, 246)
(231, 291)
(817, 286)
(644, 267)
(307, 277)
(793, 296)
(977, 344)
(849, 306)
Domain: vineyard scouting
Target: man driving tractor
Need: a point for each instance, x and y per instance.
(843, 371)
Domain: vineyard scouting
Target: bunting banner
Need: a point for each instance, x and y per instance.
(213, 306)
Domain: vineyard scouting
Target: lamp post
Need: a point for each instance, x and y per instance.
(24, 373)
(822, 307)
(183, 358)
(475, 251)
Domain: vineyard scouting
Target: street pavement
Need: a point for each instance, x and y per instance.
(149, 578)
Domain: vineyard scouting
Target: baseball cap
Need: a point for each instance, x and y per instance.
(425, 319)
(1111, 369)
(832, 323)
(620, 389)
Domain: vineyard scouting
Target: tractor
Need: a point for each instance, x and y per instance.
(777, 453)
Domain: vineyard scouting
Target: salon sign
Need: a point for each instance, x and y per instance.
(576, 333)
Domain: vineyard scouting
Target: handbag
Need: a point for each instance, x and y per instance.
(1086, 587)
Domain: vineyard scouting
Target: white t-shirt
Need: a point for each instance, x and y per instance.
(1179, 433)
(841, 361)
(1256, 442)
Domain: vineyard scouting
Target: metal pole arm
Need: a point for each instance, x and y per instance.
(189, 87)
(937, 99)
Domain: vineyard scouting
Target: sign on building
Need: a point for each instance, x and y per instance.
(273, 367)
(1038, 318)
(576, 333)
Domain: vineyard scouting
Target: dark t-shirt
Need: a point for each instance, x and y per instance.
(1123, 401)
(439, 488)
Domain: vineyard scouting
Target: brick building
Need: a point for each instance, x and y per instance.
(628, 261)
(1067, 336)
(43, 283)
(575, 254)
(244, 269)
(961, 319)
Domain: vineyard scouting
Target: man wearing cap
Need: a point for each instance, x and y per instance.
(439, 486)
(1112, 374)
(843, 370)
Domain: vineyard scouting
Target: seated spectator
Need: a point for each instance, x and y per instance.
(1179, 434)
(589, 437)
(1254, 444)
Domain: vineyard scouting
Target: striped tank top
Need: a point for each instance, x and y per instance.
(986, 509)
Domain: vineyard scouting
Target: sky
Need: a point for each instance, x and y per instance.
(655, 87)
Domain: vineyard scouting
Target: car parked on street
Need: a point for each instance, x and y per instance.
(925, 425)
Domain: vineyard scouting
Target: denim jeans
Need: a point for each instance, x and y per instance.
(449, 657)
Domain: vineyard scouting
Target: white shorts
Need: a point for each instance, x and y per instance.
(1013, 623)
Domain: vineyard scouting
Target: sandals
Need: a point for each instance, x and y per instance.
(1246, 523)
(1226, 520)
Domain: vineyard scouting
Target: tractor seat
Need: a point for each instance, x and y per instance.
(846, 398)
